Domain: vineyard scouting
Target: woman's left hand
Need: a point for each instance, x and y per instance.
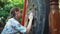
(30, 16)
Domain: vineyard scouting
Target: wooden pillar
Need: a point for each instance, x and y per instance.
(24, 12)
(54, 19)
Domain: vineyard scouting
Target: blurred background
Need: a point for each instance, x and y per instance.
(6, 5)
(43, 10)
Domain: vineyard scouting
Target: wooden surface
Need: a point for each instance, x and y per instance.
(54, 17)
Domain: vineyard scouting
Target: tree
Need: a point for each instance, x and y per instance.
(6, 5)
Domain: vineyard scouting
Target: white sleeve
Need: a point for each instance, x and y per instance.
(19, 27)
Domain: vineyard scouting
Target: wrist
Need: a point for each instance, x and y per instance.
(30, 19)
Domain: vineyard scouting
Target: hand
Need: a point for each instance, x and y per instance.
(30, 16)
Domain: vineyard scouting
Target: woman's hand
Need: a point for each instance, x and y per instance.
(30, 22)
(30, 16)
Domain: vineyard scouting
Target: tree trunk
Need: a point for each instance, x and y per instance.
(41, 16)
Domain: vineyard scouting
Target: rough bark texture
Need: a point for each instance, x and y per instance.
(40, 22)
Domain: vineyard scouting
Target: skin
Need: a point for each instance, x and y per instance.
(18, 15)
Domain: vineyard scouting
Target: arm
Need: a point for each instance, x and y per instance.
(23, 29)
(18, 27)
(30, 23)
(29, 26)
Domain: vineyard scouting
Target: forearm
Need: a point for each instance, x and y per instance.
(29, 26)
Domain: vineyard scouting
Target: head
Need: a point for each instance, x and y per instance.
(15, 12)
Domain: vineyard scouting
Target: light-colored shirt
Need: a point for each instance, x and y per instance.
(13, 27)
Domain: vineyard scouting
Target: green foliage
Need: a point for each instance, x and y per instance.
(6, 5)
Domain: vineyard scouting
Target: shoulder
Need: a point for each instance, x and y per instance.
(10, 20)
(13, 21)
